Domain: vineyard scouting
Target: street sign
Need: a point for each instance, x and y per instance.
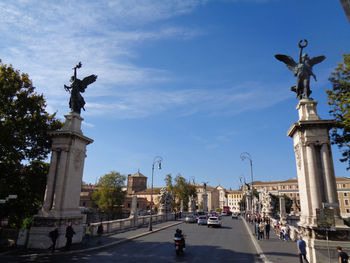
(325, 218)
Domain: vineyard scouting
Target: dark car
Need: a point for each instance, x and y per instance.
(190, 219)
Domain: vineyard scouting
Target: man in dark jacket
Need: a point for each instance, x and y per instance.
(69, 235)
(342, 256)
(53, 235)
(267, 229)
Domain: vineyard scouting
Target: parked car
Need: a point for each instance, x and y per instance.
(202, 220)
(224, 213)
(214, 221)
(190, 219)
(234, 216)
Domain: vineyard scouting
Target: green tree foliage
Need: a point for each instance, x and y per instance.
(109, 197)
(339, 101)
(24, 144)
(181, 190)
(276, 204)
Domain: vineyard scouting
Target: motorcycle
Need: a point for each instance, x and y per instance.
(179, 245)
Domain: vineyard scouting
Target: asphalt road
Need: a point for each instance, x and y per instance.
(230, 243)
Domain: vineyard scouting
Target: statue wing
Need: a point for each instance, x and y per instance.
(289, 61)
(87, 81)
(316, 60)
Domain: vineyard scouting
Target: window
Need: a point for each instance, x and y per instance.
(348, 211)
(345, 194)
(346, 202)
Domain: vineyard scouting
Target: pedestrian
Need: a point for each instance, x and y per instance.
(53, 235)
(262, 229)
(343, 257)
(99, 233)
(88, 231)
(286, 236)
(302, 250)
(257, 230)
(280, 231)
(69, 235)
(275, 225)
(267, 229)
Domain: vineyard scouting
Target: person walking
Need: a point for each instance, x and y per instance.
(69, 235)
(343, 256)
(53, 236)
(262, 229)
(267, 229)
(301, 245)
(99, 233)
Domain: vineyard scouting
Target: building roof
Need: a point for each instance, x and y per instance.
(156, 190)
(292, 180)
(230, 192)
(138, 174)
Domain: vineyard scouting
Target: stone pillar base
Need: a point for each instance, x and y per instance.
(39, 232)
(317, 250)
(317, 244)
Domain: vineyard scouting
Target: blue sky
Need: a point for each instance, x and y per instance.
(193, 81)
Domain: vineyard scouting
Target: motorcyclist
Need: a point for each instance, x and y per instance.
(179, 234)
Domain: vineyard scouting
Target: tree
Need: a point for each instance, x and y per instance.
(24, 144)
(339, 101)
(181, 190)
(276, 204)
(109, 197)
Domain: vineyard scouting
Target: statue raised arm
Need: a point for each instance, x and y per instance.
(76, 101)
(302, 70)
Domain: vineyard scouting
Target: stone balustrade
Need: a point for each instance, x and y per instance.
(129, 223)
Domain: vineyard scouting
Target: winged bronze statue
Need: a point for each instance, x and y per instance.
(76, 101)
(302, 70)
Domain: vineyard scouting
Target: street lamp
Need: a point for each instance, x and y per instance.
(157, 160)
(244, 156)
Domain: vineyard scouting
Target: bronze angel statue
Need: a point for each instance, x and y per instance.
(302, 70)
(76, 101)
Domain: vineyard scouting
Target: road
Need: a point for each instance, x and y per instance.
(230, 243)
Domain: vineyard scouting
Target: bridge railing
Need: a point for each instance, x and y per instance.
(130, 223)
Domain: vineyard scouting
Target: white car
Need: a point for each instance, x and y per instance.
(214, 221)
(224, 213)
(234, 216)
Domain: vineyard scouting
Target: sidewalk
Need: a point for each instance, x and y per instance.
(274, 250)
(95, 243)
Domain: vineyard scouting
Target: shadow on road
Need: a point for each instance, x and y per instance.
(143, 252)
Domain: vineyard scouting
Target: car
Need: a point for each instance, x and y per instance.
(234, 216)
(224, 213)
(190, 219)
(214, 221)
(202, 220)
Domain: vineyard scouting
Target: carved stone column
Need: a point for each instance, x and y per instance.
(316, 181)
(62, 195)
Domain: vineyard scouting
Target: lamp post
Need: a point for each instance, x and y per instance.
(157, 160)
(244, 156)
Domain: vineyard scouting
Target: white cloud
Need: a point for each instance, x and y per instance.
(46, 39)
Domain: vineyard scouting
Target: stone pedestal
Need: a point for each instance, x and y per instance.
(283, 213)
(62, 195)
(249, 203)
(205, 202)
(316, 180)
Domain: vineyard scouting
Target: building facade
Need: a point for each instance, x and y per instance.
(233, 200)
(290, 189)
